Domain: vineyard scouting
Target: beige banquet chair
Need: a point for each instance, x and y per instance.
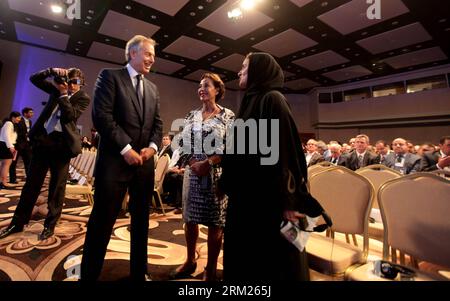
(377, 174)
(319, 167)
(415, 211)
(162, 166)
(347, 198)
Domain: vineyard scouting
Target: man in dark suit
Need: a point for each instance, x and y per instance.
(55, 140)
(336, 157)
(22, 146)
(361, 156)
(126, 115)
(165, 147)
(401, 159)
(438, 159)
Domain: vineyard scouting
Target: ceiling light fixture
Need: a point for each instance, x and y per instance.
(56, 8)
(236, 10)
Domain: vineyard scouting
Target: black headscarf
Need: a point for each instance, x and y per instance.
(264, 74)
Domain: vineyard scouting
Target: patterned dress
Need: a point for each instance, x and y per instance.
(203, 139)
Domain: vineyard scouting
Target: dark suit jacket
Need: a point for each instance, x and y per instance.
(120, 121)
(412, 162)
(429, 161)
(340, 161)
(316, 158)
(351, 160)
(71, 109)
(22, 134)
(167, 150)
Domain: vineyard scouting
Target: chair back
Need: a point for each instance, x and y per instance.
(316, 168)
(378, 174)
(347, 198)
(416, 215)
(160, 170)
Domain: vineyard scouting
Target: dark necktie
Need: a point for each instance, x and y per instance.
(360, 160)
(139, 93)
(399, 158)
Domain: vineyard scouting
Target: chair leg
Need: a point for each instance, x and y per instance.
(160, 202)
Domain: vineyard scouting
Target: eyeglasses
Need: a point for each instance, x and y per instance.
(74, 81)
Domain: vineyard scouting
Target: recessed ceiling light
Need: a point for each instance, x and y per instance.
(294, 56)
(153, 17)
(87, 23)
(209, 59)
(364, 33)
(166, 36)
(347, 49)
(89, 17)
(55, 26)
(313, 50)
(41, 3)
(220, 53)
(80, 42)
(419, 46)
(77, 49)
(218, 40)
(166, 55)
(200, 33)
(303, 53)
(343, 65)
(91, 11)
(192, 14)
(56, 8)
(181, 60)
(356, 54)
(252, 38)
(395, 23)
(310, 27)
(214, 56)
(107, 40)
(28, 19)
(270, 29)
(323, 4)
(200, 7)
(442, 20)
(324, 35)
(276, 7)
(128, 7)
(391, 53)
(405, 50)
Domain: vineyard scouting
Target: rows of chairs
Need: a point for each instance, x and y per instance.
(413, 212)
(82, 174)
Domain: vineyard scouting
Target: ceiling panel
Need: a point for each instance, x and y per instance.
(397, 38)
(348, 73)
(285, 43)
(39, 36)
(168, 7)
(321, 60)
(190, 48)
(416, 58)
(352, 16)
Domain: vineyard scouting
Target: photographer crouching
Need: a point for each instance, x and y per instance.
(55, 140)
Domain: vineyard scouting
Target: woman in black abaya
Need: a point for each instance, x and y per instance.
(261, 195)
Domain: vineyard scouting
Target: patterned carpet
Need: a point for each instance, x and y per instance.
(23, 257)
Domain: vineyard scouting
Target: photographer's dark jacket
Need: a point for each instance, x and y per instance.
(71, 109)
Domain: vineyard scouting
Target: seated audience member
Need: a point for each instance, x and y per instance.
(411, 148)
(382, 150)
(335, 154)
(85, 143)
(351, 143)
(437, 159)
(361, 156)
(402, 160)
(165, 146)
(346, 149)
(322, 149)
(425, 148)
(312, 155)
(173, 180)
(95, 138)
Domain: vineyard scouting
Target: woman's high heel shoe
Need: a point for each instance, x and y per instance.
(183, 273)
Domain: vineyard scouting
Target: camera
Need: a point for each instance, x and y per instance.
(390, 270)
(61, 80)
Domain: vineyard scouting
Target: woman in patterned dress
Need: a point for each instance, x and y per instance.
(203, 140)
